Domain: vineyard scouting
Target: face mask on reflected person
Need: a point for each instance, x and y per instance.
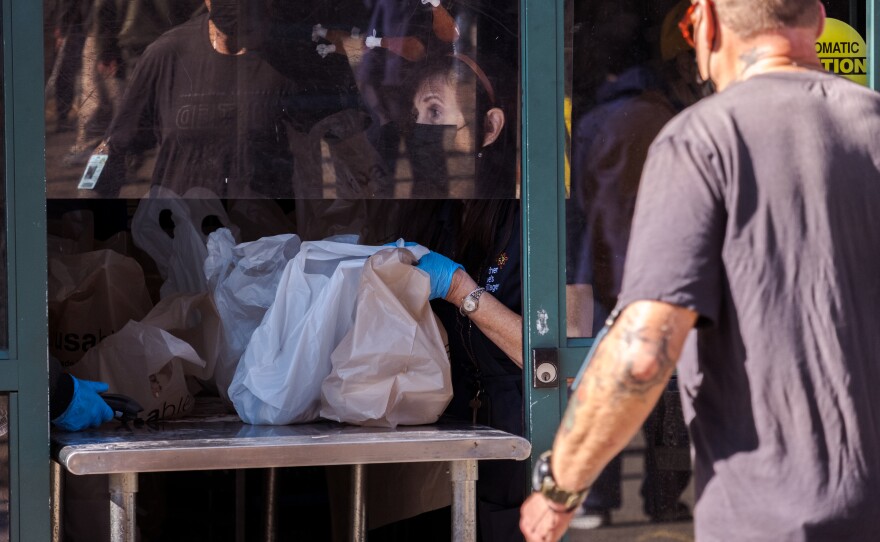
(226, 15)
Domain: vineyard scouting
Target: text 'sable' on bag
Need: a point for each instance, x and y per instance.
(392, 367)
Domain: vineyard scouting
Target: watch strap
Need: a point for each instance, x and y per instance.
(569, 500)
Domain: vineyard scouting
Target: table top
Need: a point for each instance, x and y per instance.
(222, 441)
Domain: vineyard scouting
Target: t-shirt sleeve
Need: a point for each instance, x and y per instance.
(674, 252)
(133, 126)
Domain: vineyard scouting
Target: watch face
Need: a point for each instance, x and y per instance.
(541, 471)
(469, 305)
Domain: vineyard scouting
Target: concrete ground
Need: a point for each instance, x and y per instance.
(630, 524)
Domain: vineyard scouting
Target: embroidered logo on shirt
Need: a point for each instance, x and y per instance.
(492, 286)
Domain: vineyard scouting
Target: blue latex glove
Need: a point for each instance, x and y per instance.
(440, 268)
(87, 408)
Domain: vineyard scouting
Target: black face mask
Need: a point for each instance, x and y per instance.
(226, 16)
(429, 159)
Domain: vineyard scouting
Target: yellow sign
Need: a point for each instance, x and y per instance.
(843, 51)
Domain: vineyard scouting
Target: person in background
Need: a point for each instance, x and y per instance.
(755, 224)
(216, 110)
(69, 30)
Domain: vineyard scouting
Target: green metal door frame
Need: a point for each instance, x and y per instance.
(872, 25)
(24, 374)
(542, 76)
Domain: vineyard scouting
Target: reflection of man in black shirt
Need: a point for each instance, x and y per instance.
(216, 110)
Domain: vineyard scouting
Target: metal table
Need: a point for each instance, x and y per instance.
(224, 442)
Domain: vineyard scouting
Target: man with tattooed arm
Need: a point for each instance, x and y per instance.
(754, 226)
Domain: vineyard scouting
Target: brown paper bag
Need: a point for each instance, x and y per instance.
(391, 368)
(91, 296)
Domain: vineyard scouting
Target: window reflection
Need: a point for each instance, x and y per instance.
(304, 100)
(634, 76)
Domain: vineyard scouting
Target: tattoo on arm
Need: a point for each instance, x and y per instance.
(644, 343)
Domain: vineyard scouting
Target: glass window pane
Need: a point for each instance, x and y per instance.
(306, 100)
(373, 118)
(631, 73)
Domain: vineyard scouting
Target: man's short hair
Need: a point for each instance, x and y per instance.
(751, 17)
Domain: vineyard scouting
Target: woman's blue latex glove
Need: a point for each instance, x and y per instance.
(440, 269)
(87, 408)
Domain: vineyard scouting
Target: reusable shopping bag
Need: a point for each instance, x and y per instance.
(392, 367)
(145, 363)
(278, 379)
(91, 296)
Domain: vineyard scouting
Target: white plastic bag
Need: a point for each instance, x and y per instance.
(170, 230)
(243, 279)
(278, 379)
(145, 363)
(193, 318)
(391, 368)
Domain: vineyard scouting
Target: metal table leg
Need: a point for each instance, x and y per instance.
(358, 503)
(464, 500)
(239, 505)
(271, 502)
(56, 476)
(123, 518)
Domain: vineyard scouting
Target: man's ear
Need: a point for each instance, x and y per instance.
(822, 17)
(493, 124)
(711, 25)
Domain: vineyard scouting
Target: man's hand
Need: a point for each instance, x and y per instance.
(540, 522)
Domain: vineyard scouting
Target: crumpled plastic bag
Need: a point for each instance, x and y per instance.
(243, 280)
(391, 368)
(194, 319)
(145, 363)
(278, 379)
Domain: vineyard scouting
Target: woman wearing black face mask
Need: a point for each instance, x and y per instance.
(216, 110)
(457, 132)
(459, 136)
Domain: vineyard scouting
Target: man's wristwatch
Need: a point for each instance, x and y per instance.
(471, 302)
(543, 482)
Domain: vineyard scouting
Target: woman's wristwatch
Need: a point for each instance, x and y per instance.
(543, 482)
(471, 302)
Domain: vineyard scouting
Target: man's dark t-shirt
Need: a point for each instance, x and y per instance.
(220, 121)
(758, 209)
